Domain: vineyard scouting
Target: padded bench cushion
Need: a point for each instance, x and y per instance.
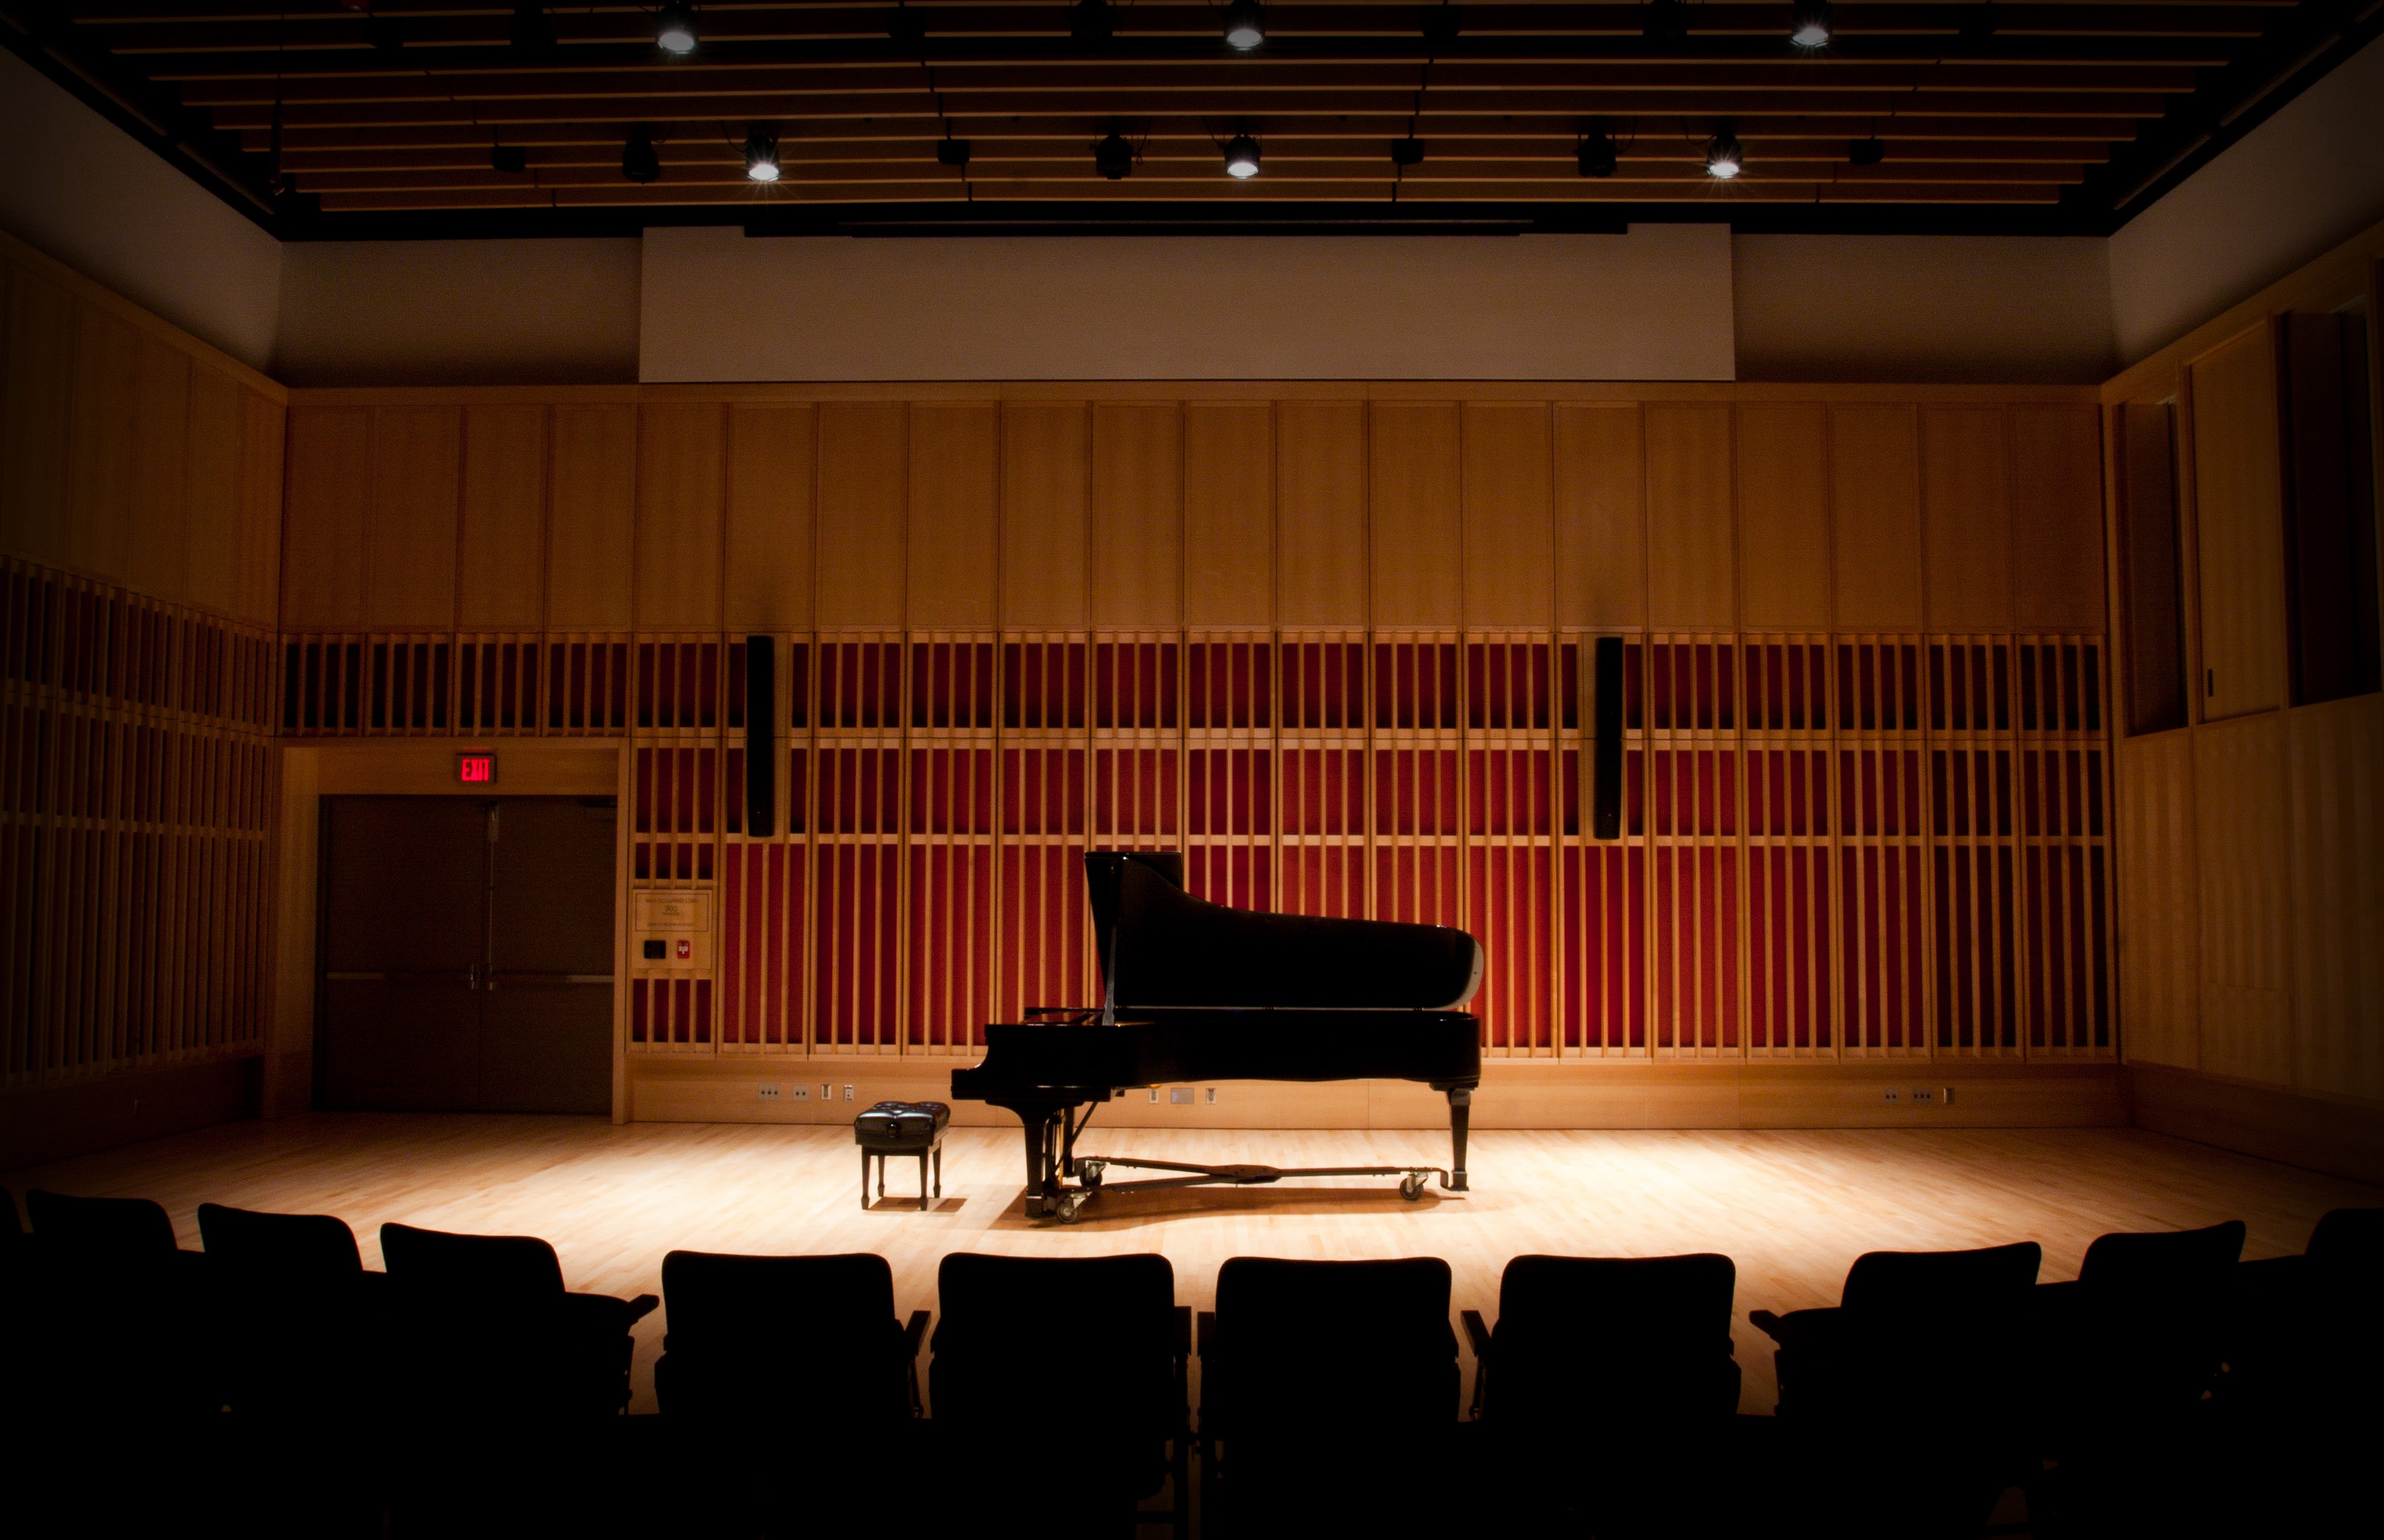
(903, 1125)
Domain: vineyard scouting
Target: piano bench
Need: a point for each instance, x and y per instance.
(902, 1128)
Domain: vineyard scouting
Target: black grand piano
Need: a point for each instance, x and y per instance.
(1194, 990)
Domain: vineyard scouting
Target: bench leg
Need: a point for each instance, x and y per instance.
(923, 1181)
(939, 1172)
(864, 1181)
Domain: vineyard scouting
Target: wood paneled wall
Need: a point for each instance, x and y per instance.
(140, 522)
(2252, 884)
(1328, 642)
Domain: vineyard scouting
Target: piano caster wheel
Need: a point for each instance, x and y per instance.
(1411, 1186)
(1068, 1205)
(1088, 1173)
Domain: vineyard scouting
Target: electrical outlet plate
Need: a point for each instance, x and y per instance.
(1891, 1096)
(1212, 1096)
(1154, 1093)
(769, 1094)
(1181, 1098)
(1923, 1096)
(847, 1094)
(801, 1094)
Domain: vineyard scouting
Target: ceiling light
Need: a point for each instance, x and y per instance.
(1725, 157)
(1407, 152)
(674, 29)
(1245, 24)
(760, 155)
(952, 152)
(1114, 157)
(1665, 20)
(1242, 158)
(639, 162)
(532, 33)
(1809, 24)
(1866, 152)
(1597, 151)
(1092, 20)
(509, 158)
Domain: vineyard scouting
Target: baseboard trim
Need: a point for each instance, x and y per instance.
(54, 1122)
(2338, 1137)
(1523, 1094)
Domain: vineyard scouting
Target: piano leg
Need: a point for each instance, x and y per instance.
(1460, 1110)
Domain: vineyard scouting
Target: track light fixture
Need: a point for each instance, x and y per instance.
(1725, 157)
(1114, 157)
(1866, 152)
(674, 29)
(530, 31)
(1245, 24)
(1810, 24)
(1596, 150)
(1665, 20)
(511, 159)
(1241, 157)
(1092, 20)
(639, 162)
(1407, 152)
(760, 155)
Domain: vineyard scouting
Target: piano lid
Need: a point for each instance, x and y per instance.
(1160, 947)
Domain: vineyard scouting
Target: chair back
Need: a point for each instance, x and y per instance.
(495, 1269)
(100, 1229)
(293, 1249)
(999, 1316)
(1626, 1342)
(2352, 1239)
(1308, 1344)
(2141, 1264)
(1942, 1286)
(802, 1340)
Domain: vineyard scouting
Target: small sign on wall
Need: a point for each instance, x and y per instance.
(476, 766)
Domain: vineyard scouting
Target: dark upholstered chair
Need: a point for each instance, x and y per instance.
(1902, 1409)
(1328, 1394)
(1121, 1399)
(1608, 1390)
(92, 1228)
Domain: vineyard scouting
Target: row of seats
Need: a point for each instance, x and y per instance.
(1605, 1397)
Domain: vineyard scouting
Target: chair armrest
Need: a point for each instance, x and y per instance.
(1764, 1322)
(1182, 1327)
(914, 1333)
(643, 1305)
(1206, 1338)
(1477, 1331)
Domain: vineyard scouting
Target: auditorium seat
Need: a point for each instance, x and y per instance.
(308, 1334)
(1608, 1394)
(1328, 1397)
(762, 1355)
(1900, 1409)
(93, 1227)
(1122, 1394)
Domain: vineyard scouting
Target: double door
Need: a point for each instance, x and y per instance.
(465, 949)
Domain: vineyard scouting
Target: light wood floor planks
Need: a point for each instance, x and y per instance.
(1792, 1208)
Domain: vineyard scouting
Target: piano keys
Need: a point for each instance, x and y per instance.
(1194, 991)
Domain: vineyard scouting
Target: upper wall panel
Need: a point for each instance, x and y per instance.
(1146, 508)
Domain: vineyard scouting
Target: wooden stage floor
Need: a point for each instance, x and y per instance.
(1792, 1208)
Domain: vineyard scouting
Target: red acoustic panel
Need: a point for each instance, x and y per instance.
(1603, 948)
(1045, 957)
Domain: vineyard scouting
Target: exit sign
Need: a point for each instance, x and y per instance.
(475, 769)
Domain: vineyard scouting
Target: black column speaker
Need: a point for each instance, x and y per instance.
(1606, 745)
(761, 738)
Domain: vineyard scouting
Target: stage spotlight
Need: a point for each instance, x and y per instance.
(1724, 157)
(952, 151)
(1665, 20)
(1866, 152)
(639, 162)
(1810, 24)
(760, 155)
(674, 29)
(1407, 152)
(1245, 24)
(1092, 20)
(1242, 158)
(1597, 151)
(532, 33)
(509, 158)
(1114, 157)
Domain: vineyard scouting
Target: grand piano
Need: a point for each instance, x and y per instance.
(1194, 990)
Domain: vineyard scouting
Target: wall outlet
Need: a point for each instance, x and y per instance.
(1945, 1096)
(1923, 1096)
(769, 1094)
(847, 1094)
(1154, 1093)
(1180, 1097)
(824, 1093)
(1212, 1096)
(801, 1094)
(1892, 1095)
